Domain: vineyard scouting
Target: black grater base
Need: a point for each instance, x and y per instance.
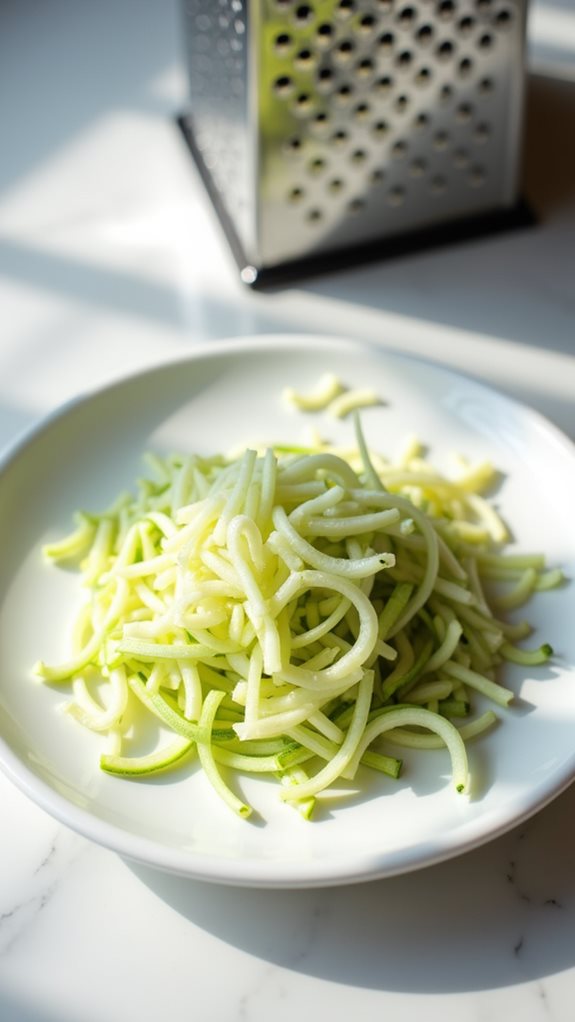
(465, 229)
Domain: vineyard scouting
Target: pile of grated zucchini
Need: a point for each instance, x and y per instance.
(296, 613)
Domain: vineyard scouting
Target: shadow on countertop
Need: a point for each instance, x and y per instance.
(498, 916)
(549, 149)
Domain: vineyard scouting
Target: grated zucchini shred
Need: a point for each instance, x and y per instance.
(296, 613)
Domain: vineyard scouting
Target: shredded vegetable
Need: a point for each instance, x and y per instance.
(296, 613)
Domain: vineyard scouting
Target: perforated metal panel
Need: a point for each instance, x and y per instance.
(327, 124)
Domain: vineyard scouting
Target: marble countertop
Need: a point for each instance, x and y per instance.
(111, 259)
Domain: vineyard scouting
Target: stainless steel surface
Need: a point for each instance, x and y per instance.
(338, 122)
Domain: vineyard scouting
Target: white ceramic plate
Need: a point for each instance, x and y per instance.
(225, 394)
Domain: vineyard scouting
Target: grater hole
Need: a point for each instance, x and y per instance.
(366, 24)
(476, 177)
(445, 50)
(321, 121)
(324, 34)
(304, 60)
(344, 93)
(296, 194)
(294, 145)
(384, 84)
(362, 111)
(325, 77)
(465, 25)
(446, 9)
(303, 103)
(356, 205)
(402, 103)
(421, 122)
(339, 137)
(343, 51)
(399, 149)
(358, 156)
(336, 185)
(446, 94)
(404, 59)
(485, 86)
(282, 43)
(425, 35)
(396, 196)
(437, 185)
(464, 112)
(461, 159)
(503, 18)
(417, 168)
(365, 68)
(481, 133)
(283, 86)
(345, 8)
(317, 166)
(465, 67)
(485, 42)
(423, 77)
(386, 42)
(440, 140)
(377, 176)
(406, 17)
(304, 14)
(484, 6)
(314, 215)
(380, 129)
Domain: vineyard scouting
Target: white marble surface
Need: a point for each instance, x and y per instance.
(111, 259)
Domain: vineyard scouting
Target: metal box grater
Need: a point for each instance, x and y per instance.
(332, 127)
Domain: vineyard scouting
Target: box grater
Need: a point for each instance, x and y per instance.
(328, 130)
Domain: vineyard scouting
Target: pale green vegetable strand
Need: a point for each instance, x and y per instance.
(295, 605)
